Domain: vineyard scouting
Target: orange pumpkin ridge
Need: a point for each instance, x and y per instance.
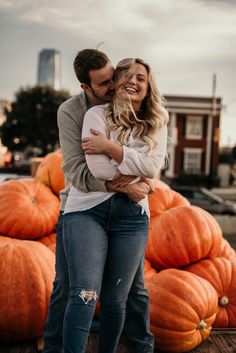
(227, 250)
(49, 241)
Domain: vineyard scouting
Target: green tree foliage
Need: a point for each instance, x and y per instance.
(32, 122)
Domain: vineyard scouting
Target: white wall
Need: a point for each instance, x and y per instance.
(224, 174)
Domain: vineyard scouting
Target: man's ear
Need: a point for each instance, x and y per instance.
(84, 86)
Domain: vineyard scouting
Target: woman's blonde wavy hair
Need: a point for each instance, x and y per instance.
(120, 115)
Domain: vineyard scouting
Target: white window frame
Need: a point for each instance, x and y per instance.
(196, 151)
(194, 120)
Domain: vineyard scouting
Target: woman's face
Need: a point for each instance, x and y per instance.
(137, 85)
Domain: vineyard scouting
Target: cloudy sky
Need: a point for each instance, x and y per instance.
(185, 41)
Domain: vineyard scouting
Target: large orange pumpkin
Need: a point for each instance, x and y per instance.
(183, 308)
(164, 199)
(27, 273)
(50, 172)
(221, 273)
(28, 209)
(182, 235)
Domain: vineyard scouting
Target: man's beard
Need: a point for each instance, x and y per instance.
(106, 98)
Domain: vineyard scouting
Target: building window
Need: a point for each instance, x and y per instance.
(192, 160)
(194, 128)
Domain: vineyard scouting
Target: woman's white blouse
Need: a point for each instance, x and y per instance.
(136, 161)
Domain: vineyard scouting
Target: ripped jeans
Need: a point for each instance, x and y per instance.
(104, 247)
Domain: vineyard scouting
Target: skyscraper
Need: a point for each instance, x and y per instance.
(49, 68)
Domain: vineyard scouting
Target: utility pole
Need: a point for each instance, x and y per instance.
(213, 108)
(210, 133)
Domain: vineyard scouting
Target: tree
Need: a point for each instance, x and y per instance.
(234, 153)
(31, 124)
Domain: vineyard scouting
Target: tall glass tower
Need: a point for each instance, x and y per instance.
(49, 68)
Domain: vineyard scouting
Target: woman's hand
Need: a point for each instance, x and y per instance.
(96, 144)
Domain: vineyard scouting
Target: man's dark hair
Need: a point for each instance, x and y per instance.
(86, 60)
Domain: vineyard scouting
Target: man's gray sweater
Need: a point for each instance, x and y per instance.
(70, 120)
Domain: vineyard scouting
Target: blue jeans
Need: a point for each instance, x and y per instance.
(137, 319)
(53, 331)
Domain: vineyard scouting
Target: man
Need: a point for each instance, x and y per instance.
(95, 73)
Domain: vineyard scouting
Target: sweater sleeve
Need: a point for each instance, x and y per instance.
(140, 163)
(74, 164)
(100, 165)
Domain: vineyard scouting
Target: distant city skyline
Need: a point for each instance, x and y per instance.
(49, 68)
(185, 42)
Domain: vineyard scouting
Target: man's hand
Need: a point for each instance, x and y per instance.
(121, 180)
(136, 192)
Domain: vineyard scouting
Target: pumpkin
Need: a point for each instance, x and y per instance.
(97, 310)
(147, 266)
(28, 209)
(149, 271)
(227, 251)
(183, 308)
(50, 172)
(27, 273)
(221, 273)
(49, 241)
(164, 199)
(182, 235)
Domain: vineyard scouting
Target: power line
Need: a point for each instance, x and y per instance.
(231, 100)
(97, 47)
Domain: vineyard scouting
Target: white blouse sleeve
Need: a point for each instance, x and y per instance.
(99, 165)
(140, 163)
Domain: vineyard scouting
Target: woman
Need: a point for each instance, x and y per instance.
(128, 141)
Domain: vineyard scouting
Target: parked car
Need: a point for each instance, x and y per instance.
(204, 198)
(9, 176)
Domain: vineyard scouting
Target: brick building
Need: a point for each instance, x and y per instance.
(193, 131)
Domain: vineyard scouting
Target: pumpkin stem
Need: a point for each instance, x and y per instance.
(33, 201)
(224, 301)
(202, 325)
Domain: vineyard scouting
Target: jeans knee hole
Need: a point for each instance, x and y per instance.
(87, 295)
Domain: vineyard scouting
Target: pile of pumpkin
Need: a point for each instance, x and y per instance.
(190, 269)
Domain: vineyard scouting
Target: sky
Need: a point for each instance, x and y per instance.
(184, 41)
